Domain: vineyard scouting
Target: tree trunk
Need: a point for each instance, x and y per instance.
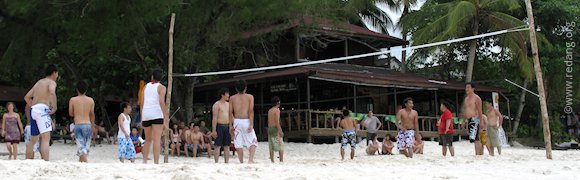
(404, 52)
(189, 112)
(472, 50)
(178, 99)
(404, 56)
(521, 105)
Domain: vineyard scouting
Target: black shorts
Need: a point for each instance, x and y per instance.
(445, 140)
(371, 136)
(151, 122)
(223, 135)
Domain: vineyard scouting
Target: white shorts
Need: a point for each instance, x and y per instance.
(41, 122)
(242, 137)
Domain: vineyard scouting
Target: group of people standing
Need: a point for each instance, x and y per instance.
(232, 121)
(234, 117)
(483, 128)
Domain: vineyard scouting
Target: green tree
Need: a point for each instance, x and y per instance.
(446, 19)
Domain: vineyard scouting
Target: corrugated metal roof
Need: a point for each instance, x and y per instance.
(352, 74)
(328, 26)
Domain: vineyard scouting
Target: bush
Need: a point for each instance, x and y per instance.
(558, 134)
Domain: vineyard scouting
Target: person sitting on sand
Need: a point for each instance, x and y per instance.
(136, 138)
(185, 140)
(175, 140)
(197, 140)
(387, 145)
(373, 147)
(418, 144)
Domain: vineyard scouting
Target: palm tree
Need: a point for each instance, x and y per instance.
(380, 21)
(440, 20)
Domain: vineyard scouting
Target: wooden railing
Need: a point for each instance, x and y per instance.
(299, 120)
(313, 123)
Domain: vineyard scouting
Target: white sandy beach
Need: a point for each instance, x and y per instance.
(303, 161)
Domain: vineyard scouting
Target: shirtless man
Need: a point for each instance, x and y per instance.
(42, 101)
(222, 125)
(407, 122)
(82, 109)
(198, 141)
(472, 113)
(494, 122)
(348, 126)
(275, 133)
(185, 140)
(242, 114)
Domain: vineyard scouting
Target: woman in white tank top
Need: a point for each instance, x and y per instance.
(154, 115)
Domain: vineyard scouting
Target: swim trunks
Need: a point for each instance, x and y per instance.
(405, 139)
(40, 119)
(348, 137)
(83, 135)
(243, 138)
(274, 142)
(473, 128)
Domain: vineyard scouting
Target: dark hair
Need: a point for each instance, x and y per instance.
(124, 105)
(407, 100)
(134, 128)
(188, 125)
(275, 100)
(157, 74)
(445, 103)
(51, 68)
(241, 85)
(13, 105)
(345, 112)
(222, 91)
(470, 84)
(487, 100)
(82, 87)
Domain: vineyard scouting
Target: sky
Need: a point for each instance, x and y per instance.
(395, 17)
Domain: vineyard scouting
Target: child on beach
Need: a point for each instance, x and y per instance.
(126, 147)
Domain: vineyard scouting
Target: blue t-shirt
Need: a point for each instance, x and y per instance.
(134, 138)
